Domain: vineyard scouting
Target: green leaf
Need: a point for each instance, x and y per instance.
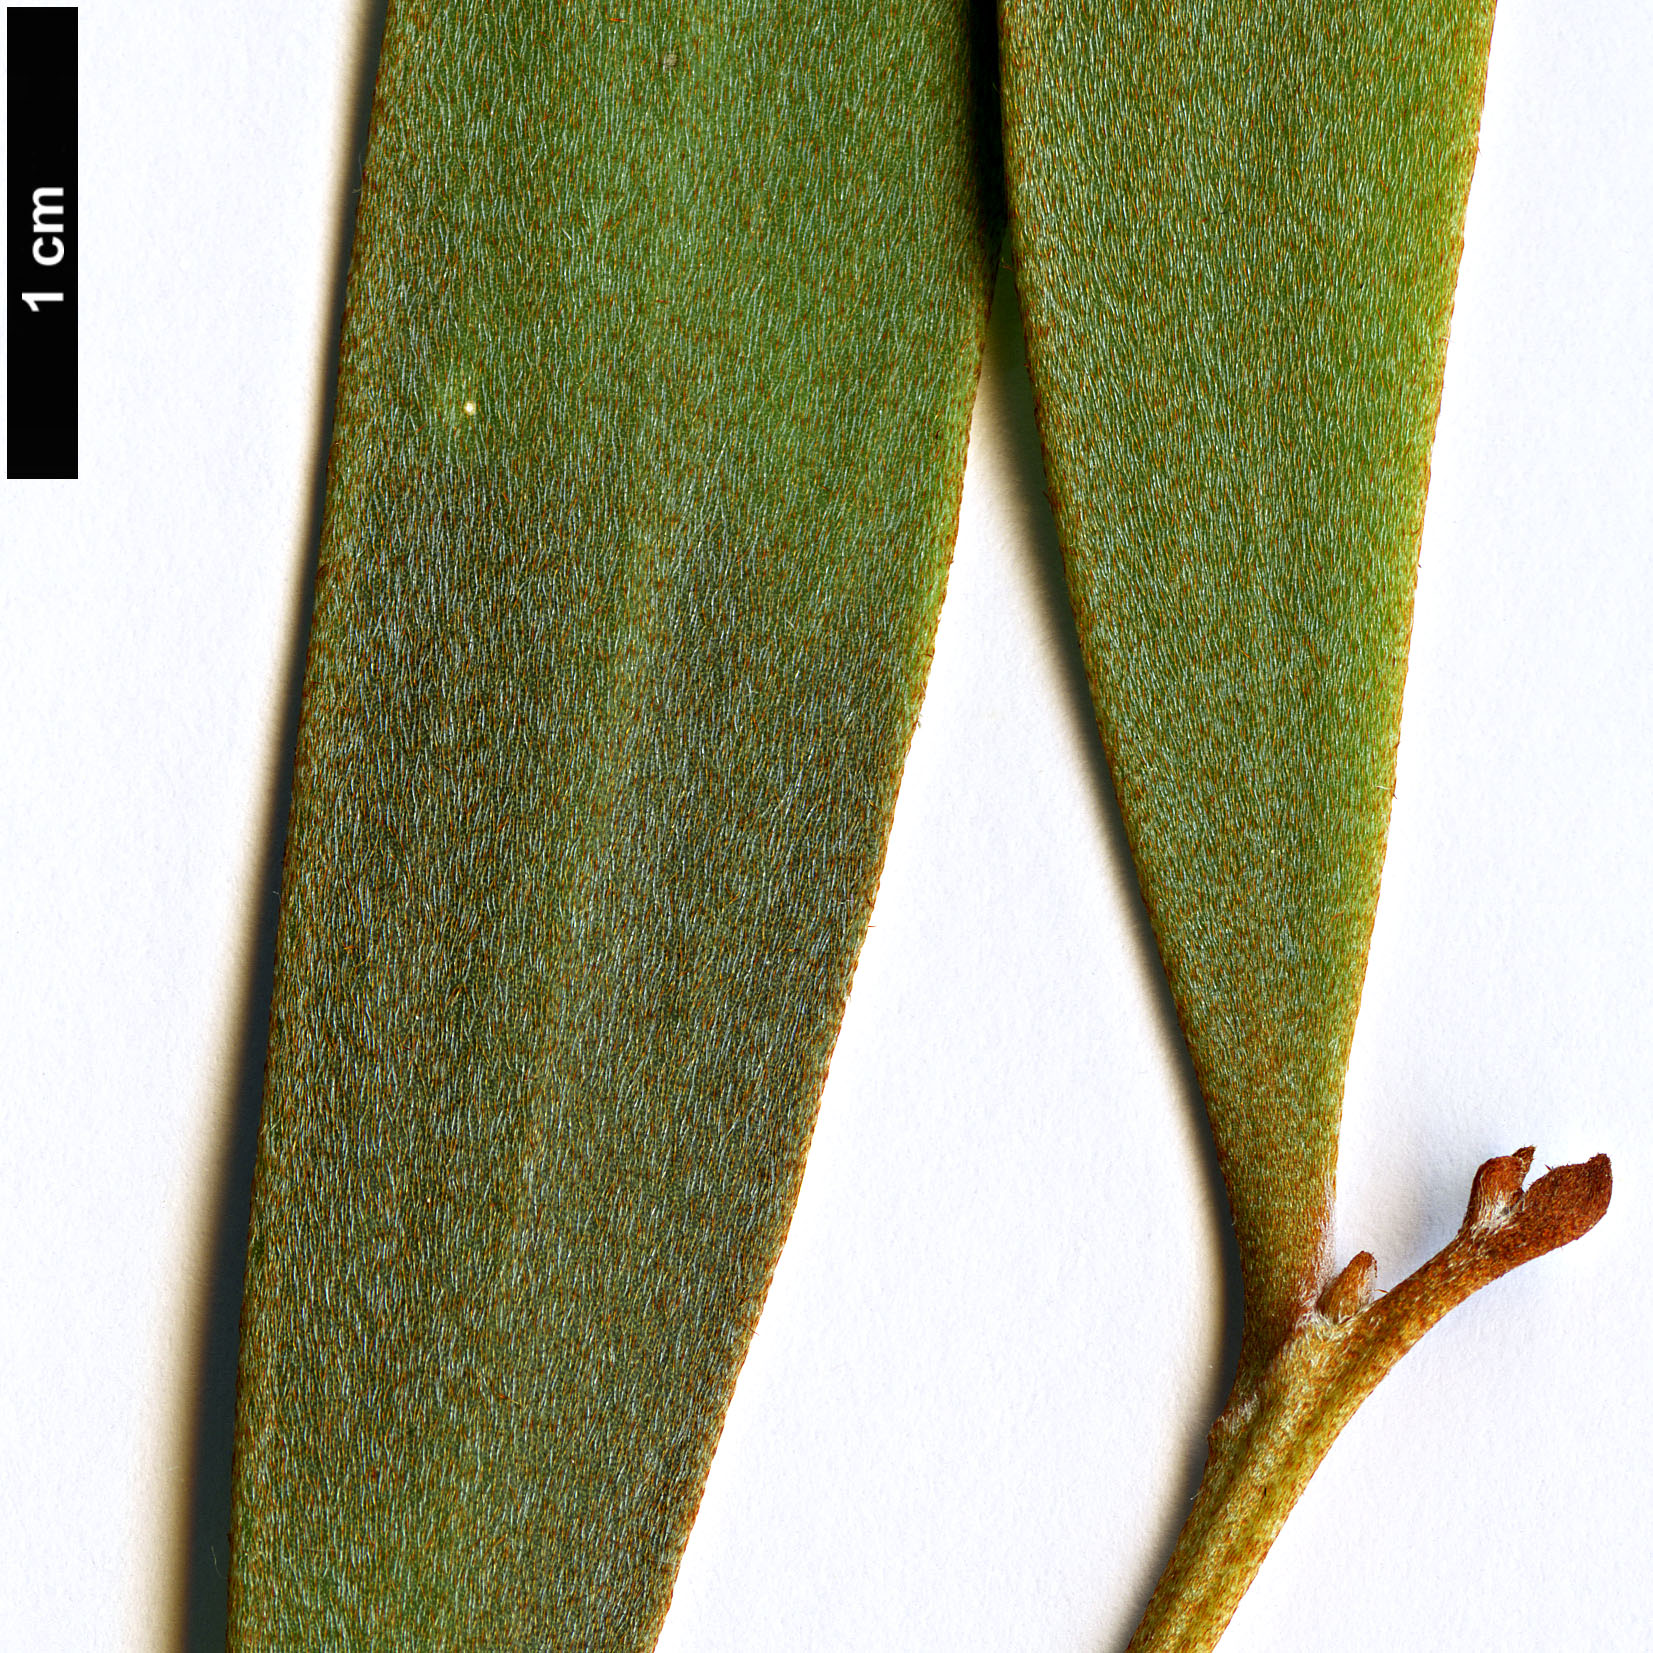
(663, 330)
(1236, 239)
(1237, 232)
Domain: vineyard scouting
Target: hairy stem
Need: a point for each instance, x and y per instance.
(1276, 1428)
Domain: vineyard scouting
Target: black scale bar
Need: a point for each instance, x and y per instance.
(42, 242)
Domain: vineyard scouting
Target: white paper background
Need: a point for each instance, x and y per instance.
(976, 1403)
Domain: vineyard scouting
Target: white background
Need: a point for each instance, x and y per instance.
(975, 1407)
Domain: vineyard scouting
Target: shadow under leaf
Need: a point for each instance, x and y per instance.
(1006, 362)
(202, 1586)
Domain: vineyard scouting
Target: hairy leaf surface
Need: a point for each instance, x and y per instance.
(662, 337)
(1237, 232)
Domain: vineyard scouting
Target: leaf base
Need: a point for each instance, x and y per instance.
(1272, 1434)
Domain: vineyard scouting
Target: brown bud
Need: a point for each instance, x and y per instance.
(1352, 1290)
(1496, 1192)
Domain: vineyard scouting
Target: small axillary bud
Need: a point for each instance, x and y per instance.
(1352, 1290)
(1495, 1195)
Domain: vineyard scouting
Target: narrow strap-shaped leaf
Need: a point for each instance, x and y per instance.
(1237, 231)
(663, 332)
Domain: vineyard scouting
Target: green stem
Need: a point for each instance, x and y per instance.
(1276, 1429)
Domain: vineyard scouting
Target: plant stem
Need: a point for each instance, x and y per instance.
(1275, 1430)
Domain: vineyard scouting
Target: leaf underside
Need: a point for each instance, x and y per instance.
(661, 343)
(1237, 232)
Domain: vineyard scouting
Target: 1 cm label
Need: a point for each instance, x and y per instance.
(49, 232)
